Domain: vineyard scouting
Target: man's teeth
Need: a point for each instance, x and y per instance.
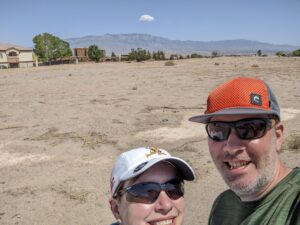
(234, 165)
(165, 222)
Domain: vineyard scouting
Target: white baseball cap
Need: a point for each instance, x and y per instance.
(134, 162)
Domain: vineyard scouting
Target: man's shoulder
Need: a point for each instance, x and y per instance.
(228, 194)
(293, 178)
(227, 197)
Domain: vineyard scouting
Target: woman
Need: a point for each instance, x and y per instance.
(147, 187)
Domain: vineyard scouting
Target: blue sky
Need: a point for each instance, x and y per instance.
(272, 21)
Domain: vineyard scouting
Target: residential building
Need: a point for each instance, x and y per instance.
(13, 56)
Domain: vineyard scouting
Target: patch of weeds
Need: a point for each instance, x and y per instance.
(78, 195)
(169, 63)
(11, 127)
(254, 66)
(292, 143)
(216, 63)
(91, 139)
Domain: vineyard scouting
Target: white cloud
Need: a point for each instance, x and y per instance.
(146, 18)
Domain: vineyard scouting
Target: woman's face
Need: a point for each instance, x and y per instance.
(164, 211)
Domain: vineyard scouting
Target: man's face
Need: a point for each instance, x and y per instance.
(247, 166)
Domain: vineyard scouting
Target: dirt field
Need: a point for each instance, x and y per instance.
(62, 127)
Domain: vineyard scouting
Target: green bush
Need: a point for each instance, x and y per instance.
(196, 55)
(3, 67)
(296, 53)
(280, 54)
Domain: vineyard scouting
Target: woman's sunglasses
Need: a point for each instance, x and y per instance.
(246, 129)
(148, 192)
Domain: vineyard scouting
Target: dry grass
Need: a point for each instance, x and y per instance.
(292, 143)
(91, 139)
(169, 63)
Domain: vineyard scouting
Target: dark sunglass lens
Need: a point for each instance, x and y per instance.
(251, 129)
(217, 131)
(143, 193)
(175, 189)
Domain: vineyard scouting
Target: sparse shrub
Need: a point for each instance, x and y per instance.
(196, 55)
(216, 63)
(280, 54)
(169, 63)
(173, 56)
(3, 67)
(292, 143)
(255, 66)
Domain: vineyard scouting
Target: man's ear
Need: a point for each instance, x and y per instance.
(279, 136)
(114, 207)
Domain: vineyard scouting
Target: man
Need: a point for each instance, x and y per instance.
(244, 138)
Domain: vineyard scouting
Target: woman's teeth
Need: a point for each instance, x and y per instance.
(165, 222)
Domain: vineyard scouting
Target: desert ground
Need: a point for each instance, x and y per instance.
(62, 127)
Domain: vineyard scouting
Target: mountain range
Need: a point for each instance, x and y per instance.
(123, 43)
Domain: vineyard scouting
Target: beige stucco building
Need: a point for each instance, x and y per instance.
(13, 56)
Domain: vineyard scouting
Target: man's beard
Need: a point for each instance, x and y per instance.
(266, 170)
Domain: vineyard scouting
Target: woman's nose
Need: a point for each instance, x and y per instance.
(163, 204)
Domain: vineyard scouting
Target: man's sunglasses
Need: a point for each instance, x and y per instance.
(246, 129)
(148, 192)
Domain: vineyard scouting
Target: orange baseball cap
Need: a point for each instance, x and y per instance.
(240, 96)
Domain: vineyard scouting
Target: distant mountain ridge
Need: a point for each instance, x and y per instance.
(123, 43)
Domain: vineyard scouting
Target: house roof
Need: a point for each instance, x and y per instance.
(6, 46)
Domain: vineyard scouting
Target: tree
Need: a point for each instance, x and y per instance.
(296, 53)
(138, 55)
(49, 47)
(159, 55)
(113, 57)
(259, 52)
(214, 54)
(95, 53)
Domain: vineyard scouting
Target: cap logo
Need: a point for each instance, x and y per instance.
(255, 99)
(139, 167)
(153, 151)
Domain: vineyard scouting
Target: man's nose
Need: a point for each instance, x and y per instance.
(163, 203)
(234, 144)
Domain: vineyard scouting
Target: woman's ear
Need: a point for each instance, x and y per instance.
(114, 207)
